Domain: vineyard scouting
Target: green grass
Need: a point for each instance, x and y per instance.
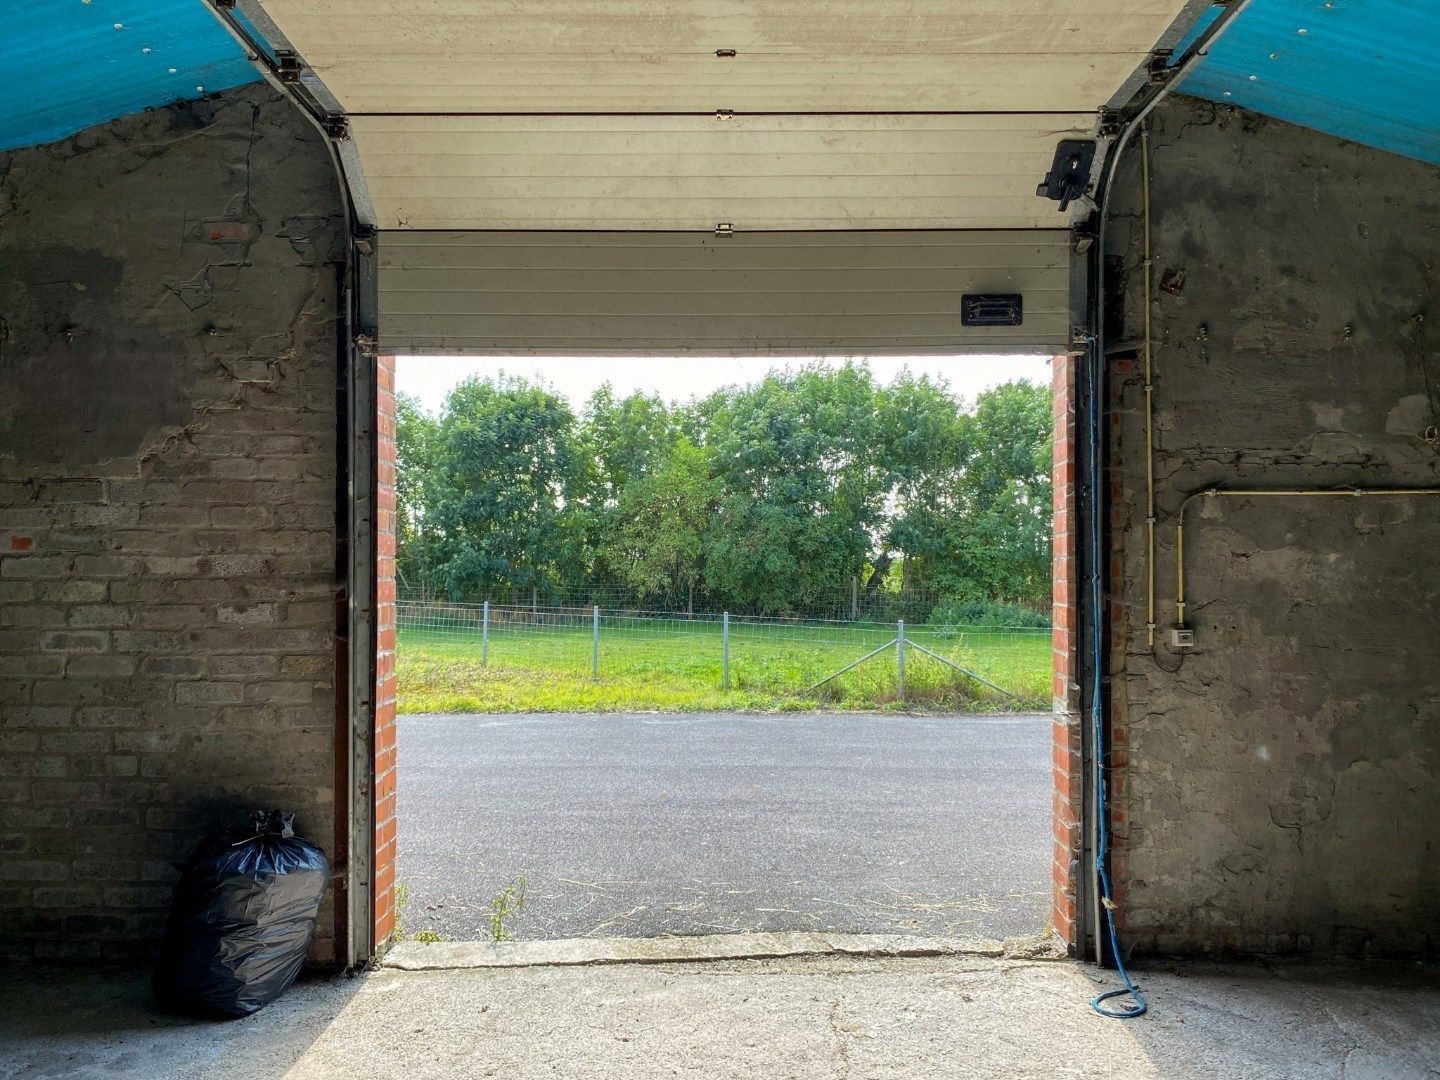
(675, 666)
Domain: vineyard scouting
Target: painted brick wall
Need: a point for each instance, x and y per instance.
(168, 509)
(385, 743)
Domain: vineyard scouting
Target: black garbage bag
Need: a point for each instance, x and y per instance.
(242, 919)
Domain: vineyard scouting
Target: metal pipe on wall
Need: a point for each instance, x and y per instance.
(1149, 396)
(1267, 493)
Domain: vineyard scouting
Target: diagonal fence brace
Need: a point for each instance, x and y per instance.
(850, 667)
(951, 663)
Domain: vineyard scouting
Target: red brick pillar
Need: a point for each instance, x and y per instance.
(385, 774)
(1066, 803)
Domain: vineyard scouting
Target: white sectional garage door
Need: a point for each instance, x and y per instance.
(778, 120)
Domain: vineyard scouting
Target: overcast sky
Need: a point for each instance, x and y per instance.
(430, 378)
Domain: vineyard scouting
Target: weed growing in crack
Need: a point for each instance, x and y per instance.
(402, 898)
(507, 903)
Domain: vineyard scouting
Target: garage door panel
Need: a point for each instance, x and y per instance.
(640, 251)
(659, 55)
(769, 292)
(551, 84)
(436, 284)
(753, 134)
(572, 190)
(601, 172)
(807, 27)
(774, 163)
(795, 298)
(957, 212)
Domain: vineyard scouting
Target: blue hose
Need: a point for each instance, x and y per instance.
(1102, 839)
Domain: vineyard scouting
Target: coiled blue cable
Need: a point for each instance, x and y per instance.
(1102, 839)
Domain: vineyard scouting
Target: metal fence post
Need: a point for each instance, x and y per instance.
(595, 647)
(900, 657)
(485, 635)
(725, 651)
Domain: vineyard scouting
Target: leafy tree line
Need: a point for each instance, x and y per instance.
(768, 498)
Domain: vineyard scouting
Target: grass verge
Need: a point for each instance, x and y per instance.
(642, 670)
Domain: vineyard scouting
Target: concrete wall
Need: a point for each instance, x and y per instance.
(168, 297)
(1277, 786)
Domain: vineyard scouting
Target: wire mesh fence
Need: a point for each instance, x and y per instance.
(836, 661)
(851, 600)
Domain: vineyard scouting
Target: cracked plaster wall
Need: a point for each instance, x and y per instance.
(1277, 787)
(168, 357)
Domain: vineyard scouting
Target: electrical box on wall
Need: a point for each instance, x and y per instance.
(1182, 637)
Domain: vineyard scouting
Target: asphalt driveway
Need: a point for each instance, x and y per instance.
(642, 825)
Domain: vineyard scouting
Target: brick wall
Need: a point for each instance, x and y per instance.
(385, 748)
(168, 509)
(1066, 694)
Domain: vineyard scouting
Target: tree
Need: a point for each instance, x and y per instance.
(1003, 525)
(769, 497)
(804, 486)
(621, 442)
(926, 441)
(657, 547)
(416, 440)
(626, 438)
(506, 471)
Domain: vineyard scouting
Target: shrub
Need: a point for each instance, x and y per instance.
(955, 611)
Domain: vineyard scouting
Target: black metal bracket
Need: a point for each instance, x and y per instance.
(1069, 173)
(288, 67)
(1160, 69)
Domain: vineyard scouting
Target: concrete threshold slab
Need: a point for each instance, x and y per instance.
(573, 952)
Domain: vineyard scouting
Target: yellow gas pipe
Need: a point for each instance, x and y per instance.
(1264, 493)
(1149, 399)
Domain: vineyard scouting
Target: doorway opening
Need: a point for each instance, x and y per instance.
(692, 647)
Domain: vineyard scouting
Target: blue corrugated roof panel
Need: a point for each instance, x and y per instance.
(1365, 70)
(72, 63)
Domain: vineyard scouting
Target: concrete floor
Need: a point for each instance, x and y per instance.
(774, 1019)
(642, 825)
